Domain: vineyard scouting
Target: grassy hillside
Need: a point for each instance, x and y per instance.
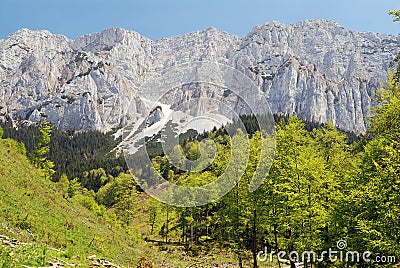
(40, 225)
(35, 211)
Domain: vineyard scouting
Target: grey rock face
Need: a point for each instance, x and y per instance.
(317, 69)
(314, 69)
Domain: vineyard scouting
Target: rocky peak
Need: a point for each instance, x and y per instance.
(106, 40)
(319, 23)
(315, 69)
(210, 44)
(34, 40)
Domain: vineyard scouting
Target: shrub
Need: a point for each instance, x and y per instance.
(88, 201)
(20, 147)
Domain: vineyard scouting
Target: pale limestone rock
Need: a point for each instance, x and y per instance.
(314, 69)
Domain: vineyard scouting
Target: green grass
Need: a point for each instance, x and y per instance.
(33, 210)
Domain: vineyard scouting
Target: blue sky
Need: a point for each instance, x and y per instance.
(165, 18)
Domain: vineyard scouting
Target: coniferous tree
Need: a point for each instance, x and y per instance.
(39, 155)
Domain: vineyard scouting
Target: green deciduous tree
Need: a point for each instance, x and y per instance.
(374, 202)
(297, 180)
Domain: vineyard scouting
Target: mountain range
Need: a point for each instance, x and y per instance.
(314, 69)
